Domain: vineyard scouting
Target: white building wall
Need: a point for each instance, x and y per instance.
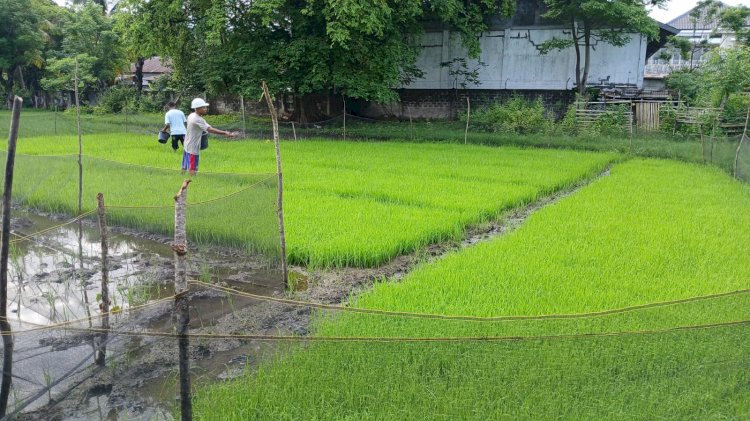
(513, 61)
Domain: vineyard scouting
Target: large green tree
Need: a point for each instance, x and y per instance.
(139, 39)
(356, 48)
(590, 21)
(22, 41)
(88, 30)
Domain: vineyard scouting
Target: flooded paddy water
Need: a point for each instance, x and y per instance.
(54, 297)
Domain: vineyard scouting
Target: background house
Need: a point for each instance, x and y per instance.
(703, 32)
(153, 68)
(511, 63)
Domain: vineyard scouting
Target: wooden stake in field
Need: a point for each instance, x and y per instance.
(468, 115)
(181, 304)
(242, 108)
(742, 140)
(280, 196)
(101, 341)
(4, 251)
(80, 141)
(343, 98)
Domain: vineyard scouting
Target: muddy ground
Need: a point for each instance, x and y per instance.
(140, 380)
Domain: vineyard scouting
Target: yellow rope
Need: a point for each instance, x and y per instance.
(216, 199)
(464, 318)
(291, 338)
(39, 327)
(46, 230)
(137, 165)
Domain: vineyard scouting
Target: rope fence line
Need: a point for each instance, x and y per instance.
(39, 328)
(292, 338)
(62, 325)
(216, 199)
(22, 238)
(466, 318)
(98, 158)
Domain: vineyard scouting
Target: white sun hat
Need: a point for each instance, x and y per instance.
(198, 103)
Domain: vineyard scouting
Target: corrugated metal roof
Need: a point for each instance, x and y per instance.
(154, 65)
(685, 23)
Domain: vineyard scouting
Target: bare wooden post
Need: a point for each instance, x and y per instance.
(126, 116)
(712, 138)
(343, 98)
(181, 309)
(468, 115)
(242, 108)
(80, 142)
(703, 143)
(101, 348)
(742, 140)
(294, 131)
(4, 251)
(280, 196)
(631, 120)
(411, 124)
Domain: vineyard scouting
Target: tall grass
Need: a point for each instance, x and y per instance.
(652, 231)
(352, 203)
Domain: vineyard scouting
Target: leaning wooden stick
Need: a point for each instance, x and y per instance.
(4, 252)
(280, 196)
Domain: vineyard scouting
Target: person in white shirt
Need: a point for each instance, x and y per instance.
(174, 123)
(196, 126)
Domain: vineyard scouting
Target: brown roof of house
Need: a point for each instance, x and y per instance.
(685, 23)
(153, 65)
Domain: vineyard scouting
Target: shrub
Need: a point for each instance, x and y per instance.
(116, 99)
(613, 122)
(516, 116)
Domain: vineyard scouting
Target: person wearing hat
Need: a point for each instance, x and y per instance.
(174, 123)
(196, 126)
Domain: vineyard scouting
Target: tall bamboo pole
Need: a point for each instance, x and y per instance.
(280, 196)
(80, 141)
(7, 377)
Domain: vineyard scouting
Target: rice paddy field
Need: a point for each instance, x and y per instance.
(347, 203)
(627, 299)
(650, 232)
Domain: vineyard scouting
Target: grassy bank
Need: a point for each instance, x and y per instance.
(347, 203)
(651, 231)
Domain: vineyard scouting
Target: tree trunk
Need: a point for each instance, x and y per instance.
(586, 61)
(139, 62)
(9, 88)
(574, 32)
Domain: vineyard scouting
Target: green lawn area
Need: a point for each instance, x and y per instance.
(347, 203)
(651, 231)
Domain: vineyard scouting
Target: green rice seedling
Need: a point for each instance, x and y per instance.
(347, 203)
(652, 231)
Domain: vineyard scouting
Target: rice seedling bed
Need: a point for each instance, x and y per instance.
(351, 203)
(652, 231)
